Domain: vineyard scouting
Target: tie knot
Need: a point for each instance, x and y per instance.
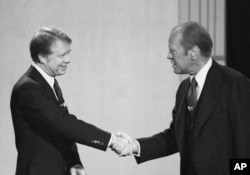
(194, 82)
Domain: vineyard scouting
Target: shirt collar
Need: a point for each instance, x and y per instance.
(202, 74)
(50, 80)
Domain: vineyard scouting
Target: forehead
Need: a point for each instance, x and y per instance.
(174, 41)
(60, 46)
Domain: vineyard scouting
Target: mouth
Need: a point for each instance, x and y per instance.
(173, 63)
(64, 67)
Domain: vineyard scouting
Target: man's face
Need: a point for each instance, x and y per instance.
(56, 63)
(180, 60)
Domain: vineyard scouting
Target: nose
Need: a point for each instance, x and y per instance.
(66, 58)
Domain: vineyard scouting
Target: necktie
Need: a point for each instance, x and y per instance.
(192, 95)
(58, 92)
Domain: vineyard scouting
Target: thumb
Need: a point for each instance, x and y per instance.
(122, 134)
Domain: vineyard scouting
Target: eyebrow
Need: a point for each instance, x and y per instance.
(172, 50)
(65, 52)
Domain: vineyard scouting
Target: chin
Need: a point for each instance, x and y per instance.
(61, 73)
(176, 71)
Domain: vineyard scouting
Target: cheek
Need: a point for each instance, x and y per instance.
(51, 64)
(179, 61)
(182, 61)
(55, 62)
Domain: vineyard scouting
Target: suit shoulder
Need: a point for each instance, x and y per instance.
(232, 78)
(230, 71)
(24, 80)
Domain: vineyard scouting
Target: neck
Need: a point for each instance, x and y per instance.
(198, 65)
(46, 69)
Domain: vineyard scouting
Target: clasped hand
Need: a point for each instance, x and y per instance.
(123, 145)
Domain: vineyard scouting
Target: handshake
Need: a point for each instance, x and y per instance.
(123, 145)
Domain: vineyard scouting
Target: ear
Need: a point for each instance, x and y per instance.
(194, 52)
(42, 58)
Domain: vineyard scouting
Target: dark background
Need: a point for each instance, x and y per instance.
(238, 35)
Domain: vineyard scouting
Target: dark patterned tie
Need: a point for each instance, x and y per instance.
(58, 92)
(192, 94)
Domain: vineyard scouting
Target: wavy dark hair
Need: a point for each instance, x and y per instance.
(44, 38)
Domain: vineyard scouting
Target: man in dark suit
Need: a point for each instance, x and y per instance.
(46, 133)
(211, 116)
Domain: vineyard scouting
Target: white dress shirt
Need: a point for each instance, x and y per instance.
(50, 80)
(201, 77)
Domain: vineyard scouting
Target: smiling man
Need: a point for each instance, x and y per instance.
(46, 133)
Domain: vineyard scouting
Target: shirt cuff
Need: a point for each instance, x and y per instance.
(110, 140)
(138, 154)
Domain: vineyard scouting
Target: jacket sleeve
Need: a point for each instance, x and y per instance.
(157, 146)
(48, 119)
(163, 143)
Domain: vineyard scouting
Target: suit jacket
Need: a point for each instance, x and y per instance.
(45, 131)
(222, 126)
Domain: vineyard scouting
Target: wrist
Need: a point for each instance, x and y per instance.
(136, 147)
(111, 141)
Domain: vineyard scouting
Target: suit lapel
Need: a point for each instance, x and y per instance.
(180, 114)
(209, 97)
(35, 75)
